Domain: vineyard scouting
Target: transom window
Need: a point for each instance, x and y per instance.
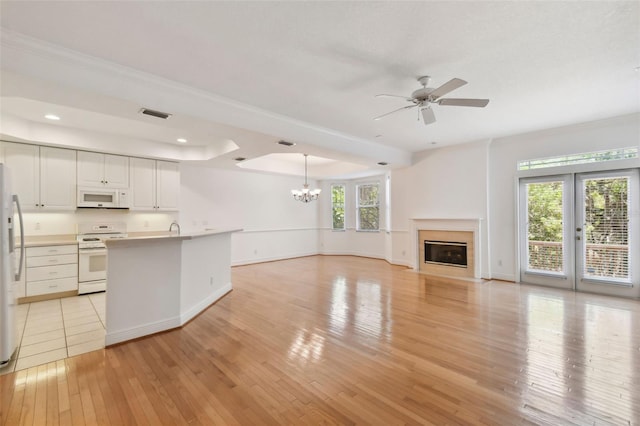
(583, 158)
(368, 207)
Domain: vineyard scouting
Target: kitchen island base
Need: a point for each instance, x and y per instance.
(160, 283)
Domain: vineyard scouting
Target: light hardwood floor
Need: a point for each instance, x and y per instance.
(347, 340)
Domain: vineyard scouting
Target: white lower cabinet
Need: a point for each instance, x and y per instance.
(51, 269)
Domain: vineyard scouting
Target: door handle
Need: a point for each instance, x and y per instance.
(578, 229)
(577, 237)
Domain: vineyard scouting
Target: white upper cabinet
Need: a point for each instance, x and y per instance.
(57, 178)
(155, 185)
(23, 163)
(43, 177)
(167, 185)
(143, 184)
(103, 170)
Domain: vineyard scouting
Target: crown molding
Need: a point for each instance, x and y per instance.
(37, 58)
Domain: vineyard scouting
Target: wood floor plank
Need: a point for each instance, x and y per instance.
(347, 340)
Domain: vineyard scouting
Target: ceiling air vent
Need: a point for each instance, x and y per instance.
(154, 113)
(285, 143)
(240, 158)
(383, 163)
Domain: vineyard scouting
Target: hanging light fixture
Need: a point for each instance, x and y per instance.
(305, 194)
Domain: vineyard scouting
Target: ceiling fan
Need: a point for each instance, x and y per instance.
(422, 98)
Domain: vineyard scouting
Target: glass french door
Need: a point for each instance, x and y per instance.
(580, 231)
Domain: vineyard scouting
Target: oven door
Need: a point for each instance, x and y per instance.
(92, 264)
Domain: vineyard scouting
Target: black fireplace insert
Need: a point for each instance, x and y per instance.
(446, 253)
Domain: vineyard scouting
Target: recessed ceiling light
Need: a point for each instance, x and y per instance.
(52, 117)
(285, 143)
(182, 140)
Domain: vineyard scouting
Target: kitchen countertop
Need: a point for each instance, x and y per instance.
(164, 235)
(48, 240)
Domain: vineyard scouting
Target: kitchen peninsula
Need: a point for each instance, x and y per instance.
(160, 282)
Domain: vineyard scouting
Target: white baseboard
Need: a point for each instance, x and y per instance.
(204, 304)
(503, 277)
(400, 262)
(242, 262)
(141, 331)
(167, 324)
(352, 253)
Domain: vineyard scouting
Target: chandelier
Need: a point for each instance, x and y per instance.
(305, 194)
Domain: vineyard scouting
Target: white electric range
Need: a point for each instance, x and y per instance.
(92, 254)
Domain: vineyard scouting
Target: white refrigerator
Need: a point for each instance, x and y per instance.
(9, 274)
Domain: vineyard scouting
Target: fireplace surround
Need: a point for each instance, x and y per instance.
(455, 233)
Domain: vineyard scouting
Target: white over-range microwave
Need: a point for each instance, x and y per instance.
(103, 198)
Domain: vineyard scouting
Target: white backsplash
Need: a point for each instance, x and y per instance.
(60, 223)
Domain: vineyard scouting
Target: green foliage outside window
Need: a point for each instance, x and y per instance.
(545, 211)
(368, 207)
(337, 206)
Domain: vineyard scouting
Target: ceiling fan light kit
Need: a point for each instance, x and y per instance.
(425, 96)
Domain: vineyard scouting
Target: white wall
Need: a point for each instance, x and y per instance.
(275, 226)
(446, 183)
(504, 153)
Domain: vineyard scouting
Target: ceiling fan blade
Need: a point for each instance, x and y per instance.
(464, 102)
(449, 86)
(395, 110)
(428, 116)
(384, 95)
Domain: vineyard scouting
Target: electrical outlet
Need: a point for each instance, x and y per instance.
(404, 252)
(210, 280)
(500, 262)
(146, 223)
(37, 226)
(255, 251)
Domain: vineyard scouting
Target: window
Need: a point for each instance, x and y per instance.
(368, 207)
(337, 207)
(586, 157)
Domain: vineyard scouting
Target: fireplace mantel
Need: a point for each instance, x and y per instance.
(448, 224)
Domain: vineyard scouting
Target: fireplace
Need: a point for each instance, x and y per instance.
(447, 247)
(448, 253)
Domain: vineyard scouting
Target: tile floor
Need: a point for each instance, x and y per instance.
(57, 329)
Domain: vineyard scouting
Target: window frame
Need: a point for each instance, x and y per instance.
(359, 206)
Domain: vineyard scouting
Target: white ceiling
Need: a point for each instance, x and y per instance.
(257, 72)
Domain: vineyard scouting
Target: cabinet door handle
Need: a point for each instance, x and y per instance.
(53, 261)
(53, 286)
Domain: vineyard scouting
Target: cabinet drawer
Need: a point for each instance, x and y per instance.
(52, 272)
(51, 286)
(62, 259)
(52, 250)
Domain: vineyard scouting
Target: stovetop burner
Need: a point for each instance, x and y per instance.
(93, 235)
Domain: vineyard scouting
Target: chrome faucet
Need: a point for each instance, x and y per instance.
(176, 224)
